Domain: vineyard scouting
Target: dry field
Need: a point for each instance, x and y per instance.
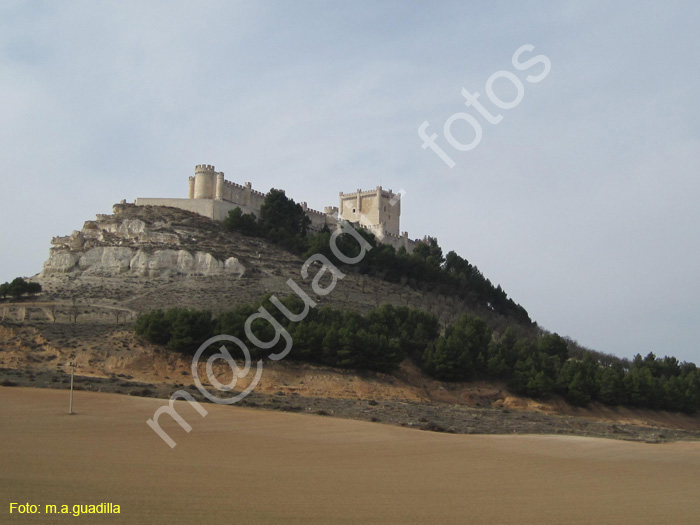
(252, 466)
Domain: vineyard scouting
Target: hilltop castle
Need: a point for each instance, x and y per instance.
(211, 195)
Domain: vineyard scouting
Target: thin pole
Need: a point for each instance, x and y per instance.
(70, 407)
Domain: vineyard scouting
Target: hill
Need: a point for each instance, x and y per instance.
(139, 259)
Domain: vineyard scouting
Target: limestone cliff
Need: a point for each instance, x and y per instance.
(146, 241)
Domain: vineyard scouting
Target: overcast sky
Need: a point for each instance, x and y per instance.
(582, 203)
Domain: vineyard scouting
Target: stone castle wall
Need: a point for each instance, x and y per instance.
(217, 210)
(211, 195)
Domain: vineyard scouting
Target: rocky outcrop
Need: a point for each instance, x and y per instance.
(120, 243)
(61, 262)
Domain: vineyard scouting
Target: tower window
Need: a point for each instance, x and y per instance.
(384, 208)
(353, 210)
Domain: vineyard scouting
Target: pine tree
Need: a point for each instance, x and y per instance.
(578, 392)
(610, 387)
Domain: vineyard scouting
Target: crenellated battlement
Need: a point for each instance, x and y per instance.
(379, 189)
(309, 211)
(358, 192)
(232, 184)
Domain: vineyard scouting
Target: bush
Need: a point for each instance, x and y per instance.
(245, 223)
(181, 329)
(461, 353)
(19, 287)
(154, 326)
(190, 328)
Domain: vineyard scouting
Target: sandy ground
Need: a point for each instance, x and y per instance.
(252, 466)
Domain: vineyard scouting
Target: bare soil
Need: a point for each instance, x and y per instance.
(254, 466)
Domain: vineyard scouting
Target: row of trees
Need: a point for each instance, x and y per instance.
(285, 223)
(19, 287)
(542, 366)
(379, 340)
(467, 349)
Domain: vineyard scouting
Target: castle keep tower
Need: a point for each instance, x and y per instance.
(373, 209)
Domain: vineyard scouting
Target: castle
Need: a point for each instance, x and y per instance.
(211, 195)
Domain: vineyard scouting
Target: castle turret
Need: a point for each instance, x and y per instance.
(191, 192)
(204, 181)
(219, 186)
(247, 192)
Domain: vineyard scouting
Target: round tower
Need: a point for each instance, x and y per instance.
(204, 181)
(219, 186)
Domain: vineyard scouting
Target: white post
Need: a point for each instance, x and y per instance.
(72, 370)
